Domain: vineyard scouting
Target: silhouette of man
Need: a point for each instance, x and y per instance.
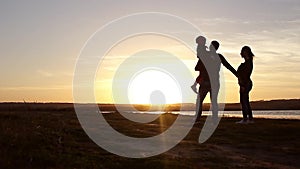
(210, 79)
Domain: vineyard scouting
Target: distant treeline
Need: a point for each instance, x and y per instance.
(291, 104)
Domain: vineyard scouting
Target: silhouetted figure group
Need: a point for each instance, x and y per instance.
(208, 65)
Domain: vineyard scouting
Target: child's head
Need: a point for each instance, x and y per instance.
(201, 40)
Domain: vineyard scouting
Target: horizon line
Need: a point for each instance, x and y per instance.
(54, 102)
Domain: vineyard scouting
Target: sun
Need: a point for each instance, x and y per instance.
(154, 86)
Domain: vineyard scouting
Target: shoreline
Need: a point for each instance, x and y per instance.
(67, 107)
(281, 104)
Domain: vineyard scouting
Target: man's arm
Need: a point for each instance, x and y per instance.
(227, 65)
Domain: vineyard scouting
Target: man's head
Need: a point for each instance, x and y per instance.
(214, 45)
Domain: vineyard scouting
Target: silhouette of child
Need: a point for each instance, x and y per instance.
(201, 52)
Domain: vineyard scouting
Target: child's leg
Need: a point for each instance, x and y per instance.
(194, 87)
(195, 83)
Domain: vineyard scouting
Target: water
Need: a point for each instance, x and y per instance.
(268, 114)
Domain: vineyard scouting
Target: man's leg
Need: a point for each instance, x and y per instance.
(203, 90)
(214, 101)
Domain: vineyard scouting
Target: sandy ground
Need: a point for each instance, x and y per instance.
(55, 139)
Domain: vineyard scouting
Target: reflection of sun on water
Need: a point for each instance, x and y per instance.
(153, 86)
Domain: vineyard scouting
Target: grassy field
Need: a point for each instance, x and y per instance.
(55, 139)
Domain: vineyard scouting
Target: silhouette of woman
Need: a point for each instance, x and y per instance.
(243, 73)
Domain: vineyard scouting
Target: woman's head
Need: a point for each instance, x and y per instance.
(247, 53)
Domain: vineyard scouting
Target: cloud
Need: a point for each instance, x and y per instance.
(36, 88)
(44, 73)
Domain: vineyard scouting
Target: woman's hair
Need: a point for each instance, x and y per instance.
(247, 49)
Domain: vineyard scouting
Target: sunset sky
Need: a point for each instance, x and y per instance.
(41, 40)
